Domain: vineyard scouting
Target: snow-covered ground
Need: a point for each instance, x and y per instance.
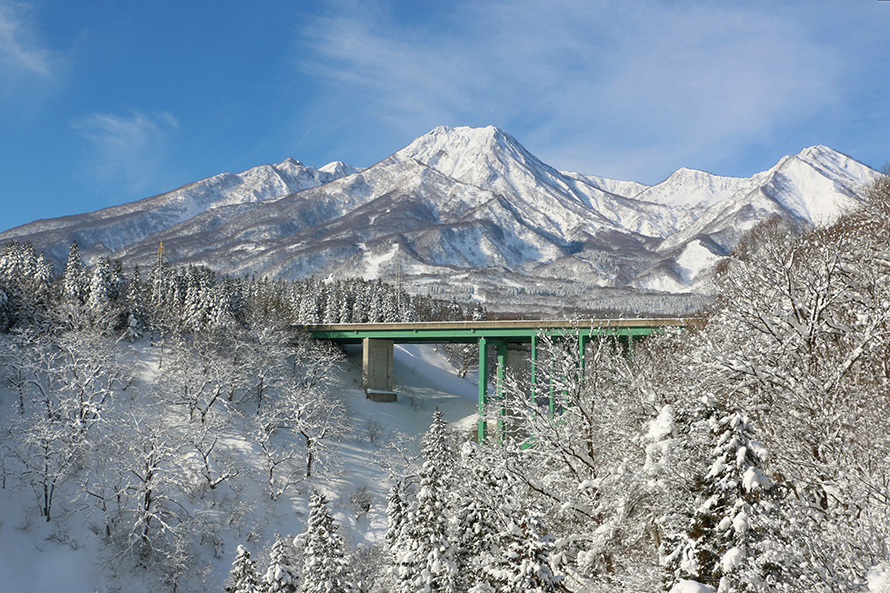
(67, 555)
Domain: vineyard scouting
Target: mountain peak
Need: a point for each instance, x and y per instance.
(483, 132)
(687, 173)
(463, 139)
(820, 150)
(692, 187)
(338, 169)
(831, 164)
(290, 162)
(478, 156)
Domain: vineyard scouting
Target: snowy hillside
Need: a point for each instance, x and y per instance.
(35, 558)
(460, 203)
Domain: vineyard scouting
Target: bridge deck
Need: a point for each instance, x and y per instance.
(472, 331)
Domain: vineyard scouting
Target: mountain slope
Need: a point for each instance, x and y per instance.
(110, 229)
(459, 208)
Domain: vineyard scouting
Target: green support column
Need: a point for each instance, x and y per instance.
(582, 341)
(500, 393)
(483, 386)
(551, 400)
(628, 346)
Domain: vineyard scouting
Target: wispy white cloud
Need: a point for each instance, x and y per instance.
(604, 87)
(127, 150)
(396, 74)
(23, 58)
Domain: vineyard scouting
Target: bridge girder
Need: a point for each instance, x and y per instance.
(487, 334)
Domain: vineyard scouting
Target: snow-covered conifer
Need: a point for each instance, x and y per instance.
(720, 544)
(243, 576)
(195, 306)
(478, 524)
(375, 304)
(331, 303)
(135, 311)
(397, 540)
(281, 576)
(396, 513)
(429, 556)
(503, 542)
(527, 546)
(226, 303)
(324, 565)
(5, 316)
(346, 304)
(117, 286)
(74, 282)
(479, 313)
(99, 299)
(308, 311)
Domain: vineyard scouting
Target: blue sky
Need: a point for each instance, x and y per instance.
(107, 101)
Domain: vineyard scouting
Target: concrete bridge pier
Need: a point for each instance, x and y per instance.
(377, 357)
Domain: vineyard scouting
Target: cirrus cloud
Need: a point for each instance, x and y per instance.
(127, 149)
(597, 86)
(25, 63)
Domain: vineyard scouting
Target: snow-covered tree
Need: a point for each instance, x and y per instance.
(134, 307)
(5, 311)
(282, 575)
(324, 565)
(305, 406)
(501, 539)
(396, 513)
(479, 313)
(722, 540)
(74, 281)
(525, 565)
(308, 311)
(264, 363)
(243, 577)
(478, 524)
(48, 451)
(195, 378)
(150, 465)
(427, 557)
(99, 299)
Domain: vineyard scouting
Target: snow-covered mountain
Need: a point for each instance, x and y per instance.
(464, 211)
(110, 229)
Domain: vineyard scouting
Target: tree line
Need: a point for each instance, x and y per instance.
(106, 298)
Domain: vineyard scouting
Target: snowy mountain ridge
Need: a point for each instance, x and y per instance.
(112, 228)
(463, 212)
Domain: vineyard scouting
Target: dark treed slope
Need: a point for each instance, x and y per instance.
(188, 298)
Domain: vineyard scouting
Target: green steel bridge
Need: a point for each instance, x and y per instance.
(377, 341)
